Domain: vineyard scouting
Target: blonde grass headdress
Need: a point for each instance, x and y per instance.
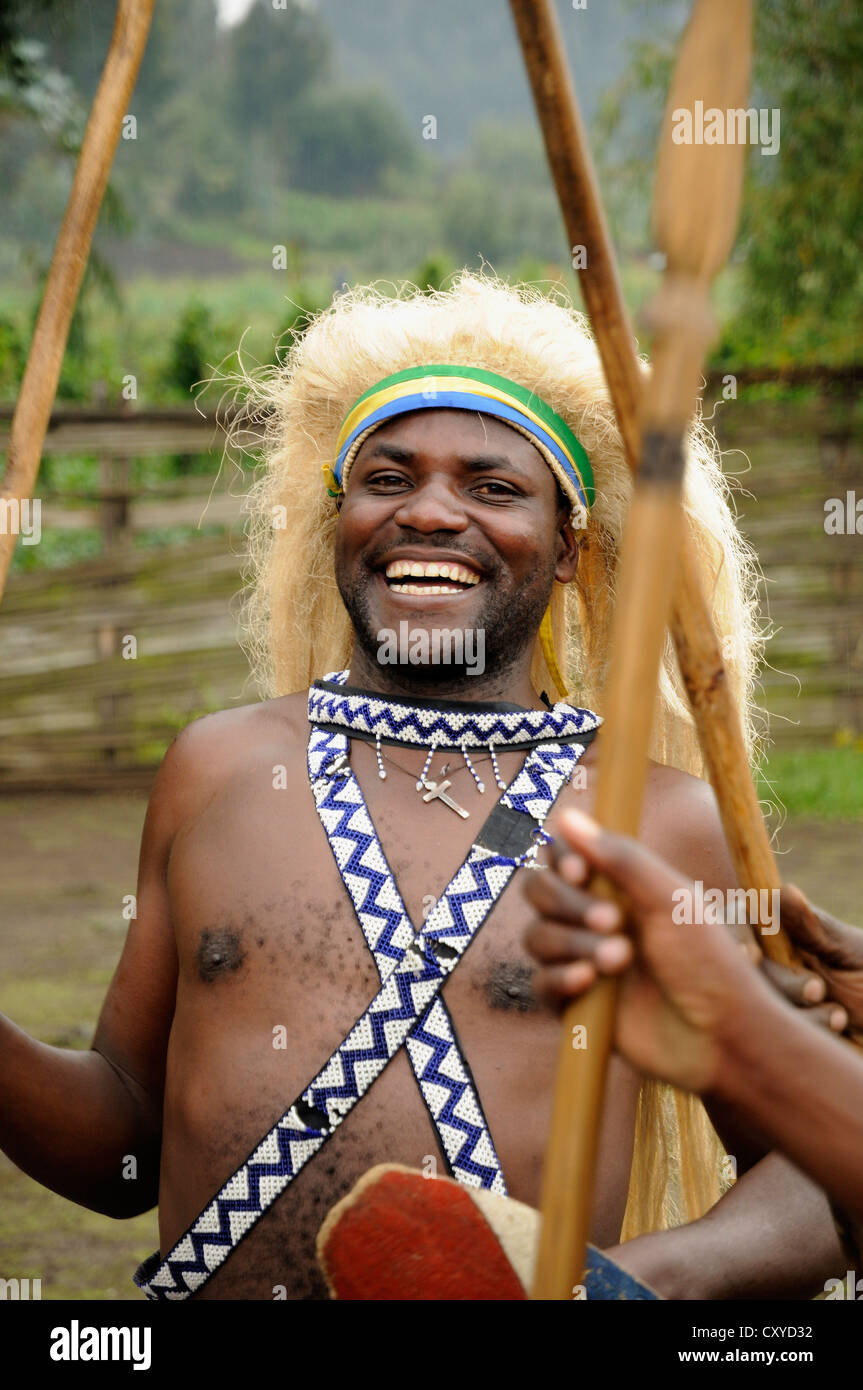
(298, 628)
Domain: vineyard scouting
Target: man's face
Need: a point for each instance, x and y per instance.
(451, 520)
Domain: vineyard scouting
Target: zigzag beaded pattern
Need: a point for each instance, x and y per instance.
(452, 1101)
(437, 1064)
(374, 1040)
(447, 728)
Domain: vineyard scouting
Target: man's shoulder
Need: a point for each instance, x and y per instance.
(680, 799)
(680, 820)
(214, 749)
(681, 787)
(665, 785)
(227, 734)
(681, 814)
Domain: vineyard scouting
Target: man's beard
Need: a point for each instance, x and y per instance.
(509, 621)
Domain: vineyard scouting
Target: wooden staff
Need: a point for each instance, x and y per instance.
(716, 714)
(45, 359)
(696, 201)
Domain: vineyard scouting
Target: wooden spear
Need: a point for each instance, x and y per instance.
(696, 201)
(698, 650)
(45, 359)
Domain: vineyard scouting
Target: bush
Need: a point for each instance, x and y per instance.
(345, 142)
(432, 273)
(190, 348)
(301, 309)
(12, 356)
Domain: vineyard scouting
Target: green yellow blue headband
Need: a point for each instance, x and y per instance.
(466, 388)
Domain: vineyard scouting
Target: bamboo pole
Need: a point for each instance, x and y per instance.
(45, 359)
(701, 663)
(696, 202)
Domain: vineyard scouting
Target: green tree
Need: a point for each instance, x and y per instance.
(347, 141)
(803, 272)
(801, 281)
(77, 38)
(501, 205)
(275, 57)
(16, 20)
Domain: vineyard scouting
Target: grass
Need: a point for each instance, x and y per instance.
(823, 783)
(75, 1252)
(253, 299)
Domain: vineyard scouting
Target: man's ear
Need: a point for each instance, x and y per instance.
(567, 558)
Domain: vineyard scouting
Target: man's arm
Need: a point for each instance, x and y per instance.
(772, 1234)
(694, 1012)
(72, 1119)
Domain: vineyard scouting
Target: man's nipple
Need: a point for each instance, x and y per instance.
(219, 953)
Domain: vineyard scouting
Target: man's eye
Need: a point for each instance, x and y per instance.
(497, 489)
(386, 479)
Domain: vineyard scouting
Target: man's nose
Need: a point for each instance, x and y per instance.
(432, 506)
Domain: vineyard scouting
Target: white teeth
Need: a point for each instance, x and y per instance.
(424, 589)
(415, 569)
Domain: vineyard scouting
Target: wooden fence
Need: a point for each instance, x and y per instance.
(84, 705)
(794, 459)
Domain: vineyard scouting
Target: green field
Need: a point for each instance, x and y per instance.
(822, 784)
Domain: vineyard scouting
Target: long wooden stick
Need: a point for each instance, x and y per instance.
(42, 373)
(701, 663)
(696, 203)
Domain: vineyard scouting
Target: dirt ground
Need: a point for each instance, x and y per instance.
(66, 863)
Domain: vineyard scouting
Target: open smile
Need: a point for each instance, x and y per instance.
(430, 577)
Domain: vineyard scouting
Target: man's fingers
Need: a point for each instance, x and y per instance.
(745, 938)
(572, 868)
(554, 943)
(813, 930)
(798, 987)
(830, 1016)
(559, 983)
(645, 878)
(800, 920)
(548, 895)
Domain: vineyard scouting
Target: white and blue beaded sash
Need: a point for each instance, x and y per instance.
(440, 1068)
(435, 1056)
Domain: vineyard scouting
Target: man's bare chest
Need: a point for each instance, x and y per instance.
(262, 914)
(274, 972)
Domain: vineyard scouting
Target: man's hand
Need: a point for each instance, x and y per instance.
(681, 985)
(831, 948)
(678, 982)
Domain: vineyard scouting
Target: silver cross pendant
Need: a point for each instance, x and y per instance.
(436, 791)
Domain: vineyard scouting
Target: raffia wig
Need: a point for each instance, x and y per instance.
(298, 628)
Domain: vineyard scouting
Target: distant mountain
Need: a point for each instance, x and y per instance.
(459, 61)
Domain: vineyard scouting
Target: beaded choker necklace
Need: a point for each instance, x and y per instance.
(438, 725)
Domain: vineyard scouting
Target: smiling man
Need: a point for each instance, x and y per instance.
(326, 971)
